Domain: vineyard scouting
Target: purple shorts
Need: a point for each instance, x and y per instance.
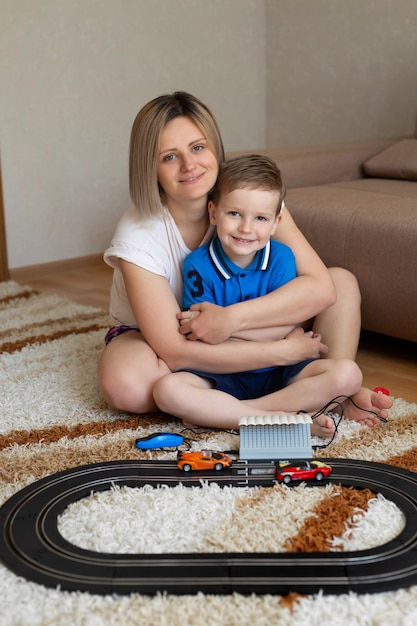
(115, 331)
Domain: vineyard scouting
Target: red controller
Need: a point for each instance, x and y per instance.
(382, 390)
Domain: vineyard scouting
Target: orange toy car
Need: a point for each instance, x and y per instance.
(202, 460)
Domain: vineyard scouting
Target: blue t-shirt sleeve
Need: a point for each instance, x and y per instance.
(196, 287)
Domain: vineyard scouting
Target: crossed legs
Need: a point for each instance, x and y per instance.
(194, 400)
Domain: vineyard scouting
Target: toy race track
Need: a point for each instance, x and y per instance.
(32, 547)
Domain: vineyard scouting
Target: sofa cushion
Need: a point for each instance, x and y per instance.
(371, 232)
(386, 186)
(397, 161)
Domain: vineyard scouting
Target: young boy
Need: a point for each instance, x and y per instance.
(243, 262)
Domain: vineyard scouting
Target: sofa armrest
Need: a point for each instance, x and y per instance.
(306, 166)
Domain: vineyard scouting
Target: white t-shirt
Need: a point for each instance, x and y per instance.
(155, 244)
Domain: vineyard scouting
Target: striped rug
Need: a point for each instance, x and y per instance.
(53, 418)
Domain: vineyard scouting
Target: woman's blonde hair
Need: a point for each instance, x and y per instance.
(145, 191)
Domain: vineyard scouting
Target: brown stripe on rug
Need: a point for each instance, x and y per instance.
(31, 459)
(377, 443)
(51, 435)
(25, 464)
(19, 345)
(264, 518)
(407, 461)
(42, 332)
(330, 519)
(23, 294)
(28, 317)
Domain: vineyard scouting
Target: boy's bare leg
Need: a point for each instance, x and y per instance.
(316, 385)
(323, 426)
(193, 399)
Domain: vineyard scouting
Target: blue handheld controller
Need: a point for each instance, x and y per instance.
(159, 440)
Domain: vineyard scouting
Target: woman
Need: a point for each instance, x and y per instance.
(175, 150)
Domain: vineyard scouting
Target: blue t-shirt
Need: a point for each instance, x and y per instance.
(210, 276)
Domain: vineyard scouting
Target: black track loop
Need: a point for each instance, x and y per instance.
(32, 547)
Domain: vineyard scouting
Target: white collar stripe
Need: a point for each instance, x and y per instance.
(217, 263)
(267, 253)
(219, 260)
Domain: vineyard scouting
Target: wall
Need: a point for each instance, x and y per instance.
(340, 70)
(74, 73)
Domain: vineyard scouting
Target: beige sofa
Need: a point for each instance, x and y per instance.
(357, 205)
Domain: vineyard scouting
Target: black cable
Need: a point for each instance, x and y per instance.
(338, 401)
(204, 431)
(335, 402)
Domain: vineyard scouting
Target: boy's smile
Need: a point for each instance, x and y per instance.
(245, 221)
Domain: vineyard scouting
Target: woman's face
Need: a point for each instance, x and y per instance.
(187, 165)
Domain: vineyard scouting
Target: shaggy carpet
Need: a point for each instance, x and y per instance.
(53, 418)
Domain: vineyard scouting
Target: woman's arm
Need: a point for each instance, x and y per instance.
(293, 303)
(155, 308)
(272, 333)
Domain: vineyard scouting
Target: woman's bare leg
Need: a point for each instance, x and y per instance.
(127, 372)
(340, 324)
(340, 327)
(373, 407)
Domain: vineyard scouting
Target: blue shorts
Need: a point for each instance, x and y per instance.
(115, 331)
(255, 384)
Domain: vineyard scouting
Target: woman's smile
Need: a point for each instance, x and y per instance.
(187, 167)
(192, 179)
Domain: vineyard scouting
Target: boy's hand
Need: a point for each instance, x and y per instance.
(302, 345)
(206, 322)
(187, 316)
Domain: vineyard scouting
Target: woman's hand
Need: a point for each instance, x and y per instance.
(206, 322)
(299, 345)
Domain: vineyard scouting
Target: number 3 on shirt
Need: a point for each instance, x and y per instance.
(196, 281)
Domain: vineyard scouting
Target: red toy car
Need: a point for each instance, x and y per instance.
(202, 460)
(287, 471)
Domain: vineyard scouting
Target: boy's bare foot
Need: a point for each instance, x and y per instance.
(323, 426)
(377, 403)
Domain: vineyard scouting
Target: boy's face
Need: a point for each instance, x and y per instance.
(245, 220)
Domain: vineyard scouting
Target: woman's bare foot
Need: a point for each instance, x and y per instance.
(373, 407)
(323, 426)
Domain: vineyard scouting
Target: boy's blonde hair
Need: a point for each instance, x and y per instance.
(145, 191)
(250, 171)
